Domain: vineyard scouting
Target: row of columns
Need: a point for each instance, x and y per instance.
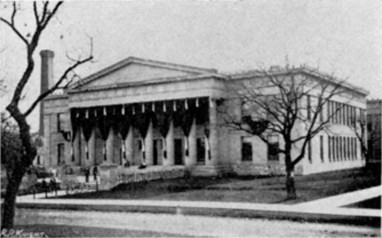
(190, 159)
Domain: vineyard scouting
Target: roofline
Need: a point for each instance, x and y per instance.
(129, 60)
(376, 101)
(304, 70)
(149, 82)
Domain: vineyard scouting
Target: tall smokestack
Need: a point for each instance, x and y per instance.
(46, 80)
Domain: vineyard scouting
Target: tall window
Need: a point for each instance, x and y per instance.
(201, 151)
(273, 148)
(334, 112)
(246, 149)
(59, 129)
(352, 148)
(60, 153)
(348, 147)
(355, 147)
(322, 112)
(337, 149)
(339, 113)
(322, 148)
(352, 115)
(344, 147)
(330, 148)
(348, 115)
(339, 158)
(328, 110)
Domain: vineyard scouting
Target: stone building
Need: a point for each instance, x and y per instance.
(143, 112)
(374, 130)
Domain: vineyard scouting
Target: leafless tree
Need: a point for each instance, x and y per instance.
(366, 136)
(288, 103)
(43, 13)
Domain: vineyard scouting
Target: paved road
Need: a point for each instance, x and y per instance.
(191, 225)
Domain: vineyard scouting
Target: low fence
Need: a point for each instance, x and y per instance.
(125, 178)
(111, 175)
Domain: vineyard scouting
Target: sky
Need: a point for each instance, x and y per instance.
(338, 37)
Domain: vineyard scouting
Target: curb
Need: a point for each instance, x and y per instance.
(372, 221)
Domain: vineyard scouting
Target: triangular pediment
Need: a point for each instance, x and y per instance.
(137, 70)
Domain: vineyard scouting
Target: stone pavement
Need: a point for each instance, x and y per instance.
(327, 209)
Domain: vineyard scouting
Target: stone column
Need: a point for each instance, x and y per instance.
(91, 147)
(170, 160)
(46, 158)
(77, 148)
(130, 146)
(110, 147)
(213, 138)
(192, 146)
(149, 145)
(83, 159)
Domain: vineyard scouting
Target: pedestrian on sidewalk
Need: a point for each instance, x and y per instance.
(95, 173)
(87, 174)
(45, 187)
(53, 185)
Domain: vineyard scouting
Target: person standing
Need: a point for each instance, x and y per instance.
(87, 174)
(95, 173)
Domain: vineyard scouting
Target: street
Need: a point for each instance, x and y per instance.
(180, 225)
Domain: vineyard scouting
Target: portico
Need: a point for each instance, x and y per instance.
(164, 133)
(141, 113)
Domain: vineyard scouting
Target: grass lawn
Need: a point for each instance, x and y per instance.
(244, 189)
(82, 231)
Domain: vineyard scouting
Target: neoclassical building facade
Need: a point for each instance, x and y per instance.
(146, 113)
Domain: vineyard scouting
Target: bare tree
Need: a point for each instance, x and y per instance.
(287, 103)
(43, 13)
(366, 136)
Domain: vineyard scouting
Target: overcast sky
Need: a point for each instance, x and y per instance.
(340, 37)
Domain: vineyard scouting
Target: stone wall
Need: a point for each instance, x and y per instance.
(263, 169)
(113, 175)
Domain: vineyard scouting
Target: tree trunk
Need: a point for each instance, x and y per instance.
(8, 212)
(290, 185)
(17, 168)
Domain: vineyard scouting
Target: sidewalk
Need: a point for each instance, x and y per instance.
(323, 210)
(344, 199)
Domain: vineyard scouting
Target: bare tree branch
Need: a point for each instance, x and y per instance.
(12, 25)
(18, 165)
(281, 103)
(60, 80)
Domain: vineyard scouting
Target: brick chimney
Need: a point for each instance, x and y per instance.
(46, 81)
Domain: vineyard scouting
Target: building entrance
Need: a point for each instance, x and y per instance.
(178, 146)
(157, 151)
(201, 151)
